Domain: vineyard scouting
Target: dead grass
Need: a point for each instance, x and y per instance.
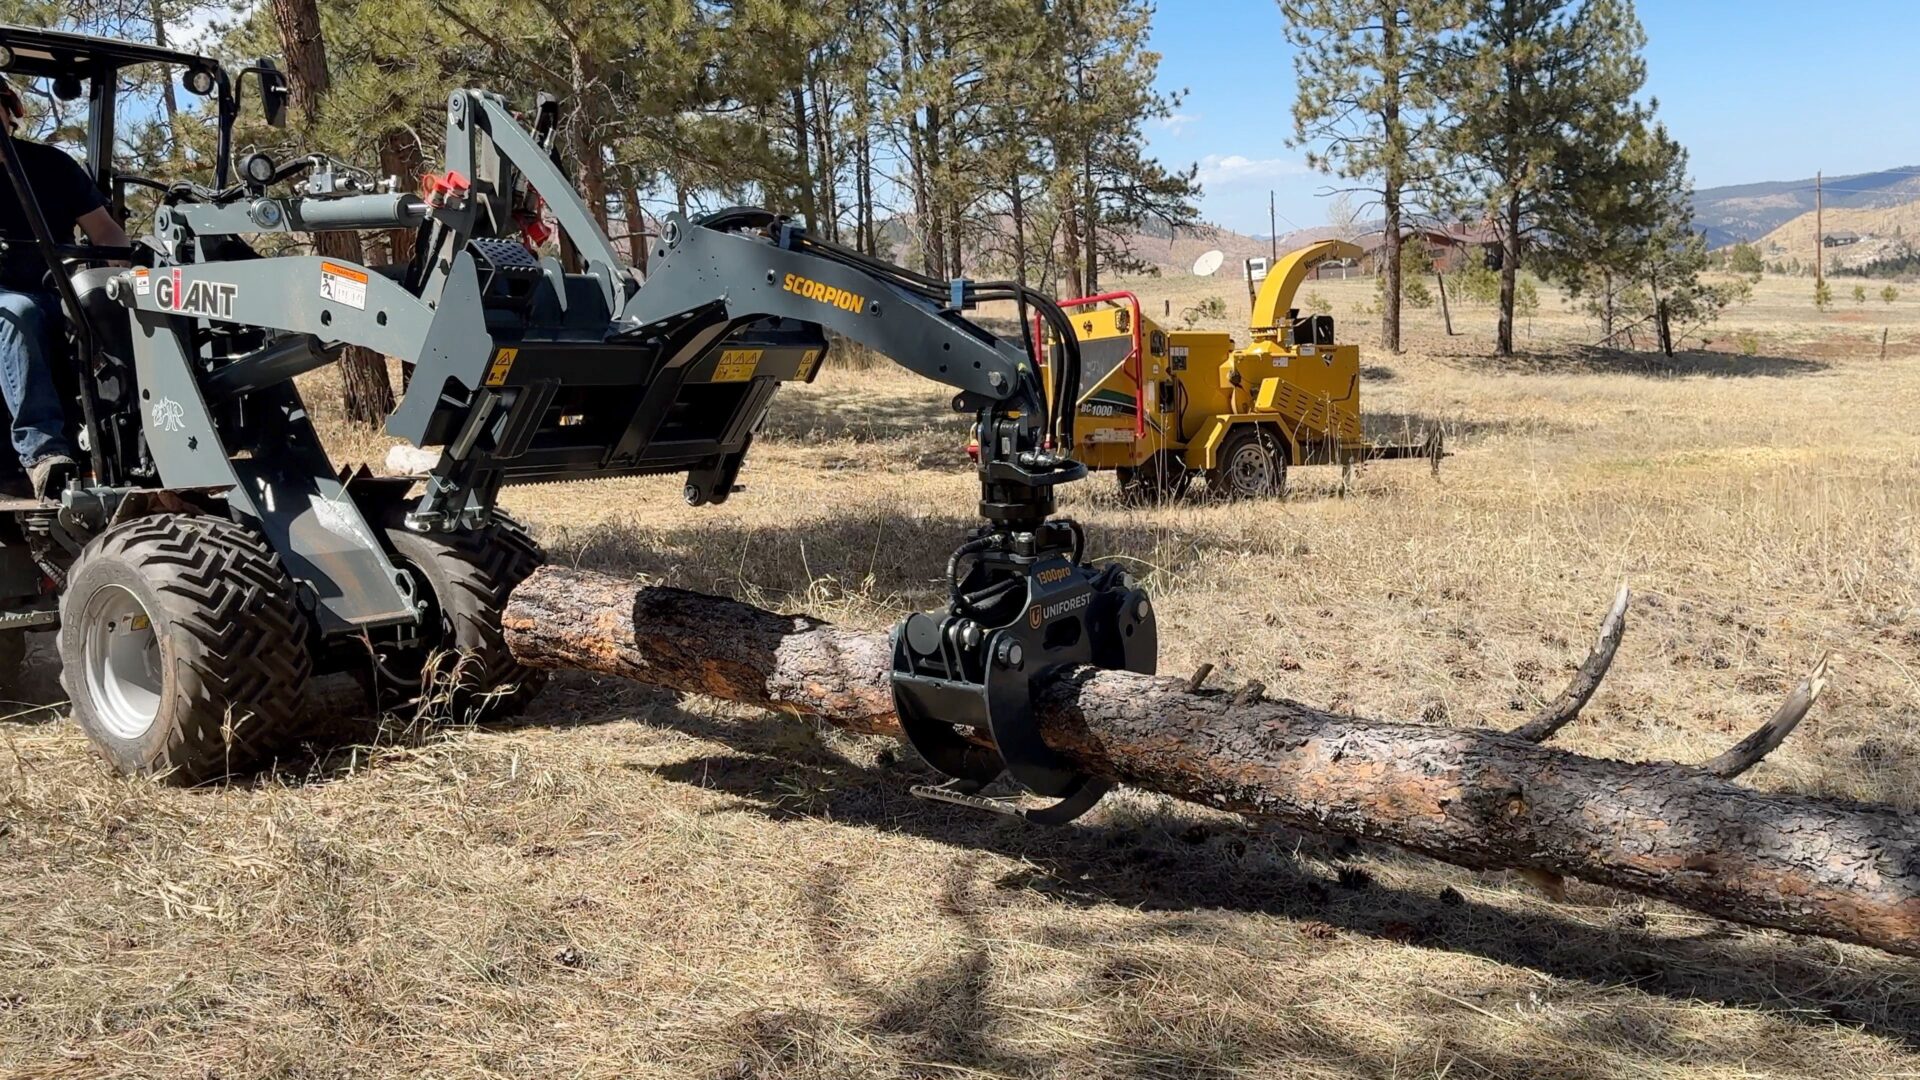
(631, 884)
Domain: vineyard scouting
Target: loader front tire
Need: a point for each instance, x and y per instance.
(1252, 465)
(183, 648)
(461, 670)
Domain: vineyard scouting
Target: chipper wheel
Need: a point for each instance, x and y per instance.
(182, 647)
(464, 578)
(1252, 465)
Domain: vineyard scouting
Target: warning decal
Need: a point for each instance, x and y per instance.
(343, 285)
(502, 363)
(736, 365)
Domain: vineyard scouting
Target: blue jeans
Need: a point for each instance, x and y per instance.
(29, 322)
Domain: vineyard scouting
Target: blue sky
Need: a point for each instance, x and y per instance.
(1755, 89)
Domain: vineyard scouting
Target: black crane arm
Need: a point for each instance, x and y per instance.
(722, 271)
(1022, 601)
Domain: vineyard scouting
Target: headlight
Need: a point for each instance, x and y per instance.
(258, 168)
(198, 81)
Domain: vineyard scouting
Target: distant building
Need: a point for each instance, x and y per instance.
(1840, 238)
(1453, 247)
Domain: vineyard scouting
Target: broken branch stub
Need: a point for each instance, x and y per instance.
(1476, 798)
(1747, 753)
(1561, 710)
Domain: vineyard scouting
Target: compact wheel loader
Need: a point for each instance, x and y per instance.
(211, 560)
(1160, 407)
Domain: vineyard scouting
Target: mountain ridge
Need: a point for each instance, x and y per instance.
(1734, 213)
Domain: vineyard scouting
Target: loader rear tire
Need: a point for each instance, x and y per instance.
(183, 648)
(1252, 465)
(462, 670)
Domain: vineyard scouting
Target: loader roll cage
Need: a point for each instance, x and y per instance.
(76, 65)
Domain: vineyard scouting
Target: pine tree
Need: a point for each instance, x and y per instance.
(1109, 184)
(1368, 107)
(1544, 94)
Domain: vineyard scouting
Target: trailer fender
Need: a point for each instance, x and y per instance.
(1203, 451)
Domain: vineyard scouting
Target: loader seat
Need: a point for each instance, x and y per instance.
(112, 326)
(109, 319)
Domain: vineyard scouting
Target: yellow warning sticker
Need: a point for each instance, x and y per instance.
(737, 365)
(808, 364)
(502, 363)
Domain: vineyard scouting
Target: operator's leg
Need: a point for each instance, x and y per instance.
(28, 322)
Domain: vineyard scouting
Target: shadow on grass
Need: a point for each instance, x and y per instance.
(1165, 861)
(811, 415)
(1588, 360)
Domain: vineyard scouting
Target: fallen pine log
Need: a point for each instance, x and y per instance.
(1481, 799)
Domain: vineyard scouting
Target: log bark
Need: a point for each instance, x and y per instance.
(1481, 799)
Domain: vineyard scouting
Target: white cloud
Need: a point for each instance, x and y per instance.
(202, 27)
(1223, 170)
(1178, 122)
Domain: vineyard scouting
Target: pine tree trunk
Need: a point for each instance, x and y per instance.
(367, 391)
(400, 158)
(636, 226)
(827, 162)
(1476, 798)
(169, 98)
(1090, 225)
(864, 239)
(1390, 302)
(1017, 212)
(802, 159)
(1509, 275)
(583, 132)
(1395, 138)
(1070, 237)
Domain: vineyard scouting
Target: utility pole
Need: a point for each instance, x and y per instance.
(1273, 230)
(1819, 232)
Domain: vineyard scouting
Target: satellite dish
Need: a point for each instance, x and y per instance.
(1205, 265)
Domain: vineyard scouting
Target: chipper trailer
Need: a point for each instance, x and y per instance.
(210, 560)
(1240, 417)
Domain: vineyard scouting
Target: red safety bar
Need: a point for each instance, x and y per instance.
(1133, 364)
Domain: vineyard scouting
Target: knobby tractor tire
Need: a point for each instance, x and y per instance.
(1252, 464)
(183, 648)
(462, 670)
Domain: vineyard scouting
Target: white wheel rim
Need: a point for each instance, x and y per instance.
(1251, 470)
(122, 655)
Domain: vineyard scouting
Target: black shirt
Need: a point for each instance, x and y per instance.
(66, 193)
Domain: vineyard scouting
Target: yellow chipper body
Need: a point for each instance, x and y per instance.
(1160, 406)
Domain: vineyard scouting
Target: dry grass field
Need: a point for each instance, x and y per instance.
(635, 884)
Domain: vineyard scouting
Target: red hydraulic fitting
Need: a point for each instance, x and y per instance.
(534, 225)
(435, 187)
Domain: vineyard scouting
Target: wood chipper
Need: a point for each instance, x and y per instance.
(1238, 417)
